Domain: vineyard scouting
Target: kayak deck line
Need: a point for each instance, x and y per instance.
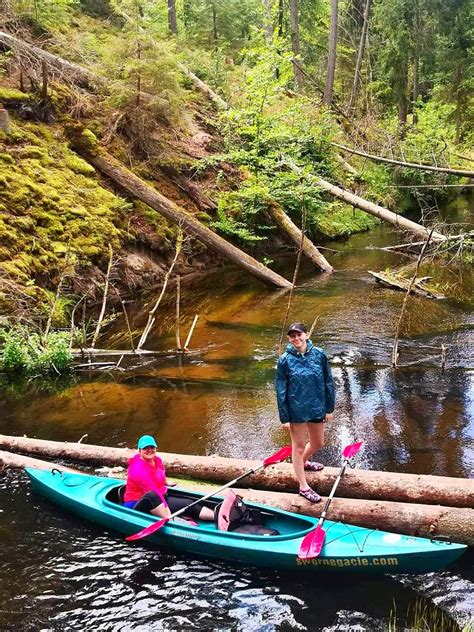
(348, 547)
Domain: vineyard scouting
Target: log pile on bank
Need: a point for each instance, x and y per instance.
(404, 503)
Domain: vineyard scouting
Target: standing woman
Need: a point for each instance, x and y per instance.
(305, 395)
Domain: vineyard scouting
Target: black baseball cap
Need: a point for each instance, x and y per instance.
(301, 327)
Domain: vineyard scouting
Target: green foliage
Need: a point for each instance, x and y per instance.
(223, 25)
(27, 352)
(266, 135)
(45, 15)
(240, 213)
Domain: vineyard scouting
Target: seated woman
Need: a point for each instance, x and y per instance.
(146, 488)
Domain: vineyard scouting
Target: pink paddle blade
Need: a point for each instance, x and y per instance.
(312, 544)
(147, 530)
(279, 456)
(351, 450)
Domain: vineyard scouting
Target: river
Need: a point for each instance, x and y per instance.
(60, 573)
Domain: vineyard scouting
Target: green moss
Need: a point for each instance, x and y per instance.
(6, 158)
(29, 151)
(52, 204)
(78, 165)
(11, 94)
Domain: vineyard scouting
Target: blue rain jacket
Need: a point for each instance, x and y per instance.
(304, 385)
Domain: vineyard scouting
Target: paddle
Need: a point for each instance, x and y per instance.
(279, 456)
(313, 542)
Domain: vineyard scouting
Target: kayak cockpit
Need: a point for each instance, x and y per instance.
(287, 525)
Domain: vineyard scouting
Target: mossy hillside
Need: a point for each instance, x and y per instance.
(52, 204)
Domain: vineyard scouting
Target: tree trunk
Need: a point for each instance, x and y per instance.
(426, 521)
(295, 42)
(8, 459)
(402, 85)
(332, 45)
(403, 285)
(136, 187)
(373, 485)
(214, 24)
(369, 207)
(309, 249)
(416, 88)
(464, 173)
(411, 519)
(360, 54)
(268, 20)
(65, 70)
(204, 88)
(4, 121)
(172, 21)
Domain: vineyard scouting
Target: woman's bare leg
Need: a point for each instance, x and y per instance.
(316, 440)
(206, 514)
(298, 445)
(161, 511)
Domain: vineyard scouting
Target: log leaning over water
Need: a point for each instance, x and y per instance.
(454, 523)
(139, 189)
(309, 249)
(411, 165)
(356, 201)
(374, 485)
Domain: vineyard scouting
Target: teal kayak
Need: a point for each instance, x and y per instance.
(347, 548)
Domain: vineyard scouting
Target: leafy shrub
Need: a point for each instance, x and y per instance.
(26, 352)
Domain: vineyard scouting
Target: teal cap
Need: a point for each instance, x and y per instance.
(146, 441)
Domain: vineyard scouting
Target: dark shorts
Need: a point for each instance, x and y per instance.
(151, 500)
(310, 421)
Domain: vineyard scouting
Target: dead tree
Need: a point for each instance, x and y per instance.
(332, 46)
(360, 54)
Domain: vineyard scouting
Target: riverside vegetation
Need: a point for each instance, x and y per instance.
(406, 96)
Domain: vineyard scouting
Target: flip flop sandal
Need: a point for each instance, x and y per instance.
(313, 466)
(310, 495)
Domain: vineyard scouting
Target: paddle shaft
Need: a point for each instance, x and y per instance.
(333, 491)
(200, 500)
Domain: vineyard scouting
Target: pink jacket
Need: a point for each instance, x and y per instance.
(143, 478)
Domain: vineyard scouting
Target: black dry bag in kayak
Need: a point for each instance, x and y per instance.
(232, 514)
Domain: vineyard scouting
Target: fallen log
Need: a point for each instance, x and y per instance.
(457, 524)
(204, 88)
(426, 521)
(418, 244)
(402, 285)
(135, 187)
(7, 460)
(309, 249)
(411, 165)
(28, 54)
(416, 488)
(369, 207)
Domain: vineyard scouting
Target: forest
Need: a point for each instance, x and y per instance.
(145, 138)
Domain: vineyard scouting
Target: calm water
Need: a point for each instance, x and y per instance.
(58, 573)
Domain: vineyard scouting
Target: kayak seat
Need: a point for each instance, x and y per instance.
(116, 494)
(121, 494)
